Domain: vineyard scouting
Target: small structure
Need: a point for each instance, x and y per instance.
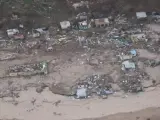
(12, 32)
(128, 65)
(15, 34)
(103, 22)
(65, 25)
(141, 15)
(81, 93)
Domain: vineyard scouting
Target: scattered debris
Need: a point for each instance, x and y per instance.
(115, 87)
(82, 16)
(41, 30)
(14, 17)
(133, 52)
(138, 37)
(125, 57)
(121, 36)
(8, 56)
(33, 101)
(131, 84)
(57, 103)
(121, 41)
(96, 84)
(35, 35)
(82, 41)
(28, 69)
(93, 61)
(21, 25)
(57, 114)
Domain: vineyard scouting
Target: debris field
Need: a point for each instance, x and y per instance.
(86, 55)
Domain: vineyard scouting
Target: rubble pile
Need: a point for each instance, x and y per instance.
(28, 69)
(133, 82)
(9, 56)
(94, 85)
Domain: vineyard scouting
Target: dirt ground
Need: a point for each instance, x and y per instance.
(147, 114)
(34, 106)
(71, 61)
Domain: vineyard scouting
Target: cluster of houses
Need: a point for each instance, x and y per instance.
(83, 22)
(85, 19)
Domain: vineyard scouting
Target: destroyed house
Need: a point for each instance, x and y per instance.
(102, 22)
(65, 25)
